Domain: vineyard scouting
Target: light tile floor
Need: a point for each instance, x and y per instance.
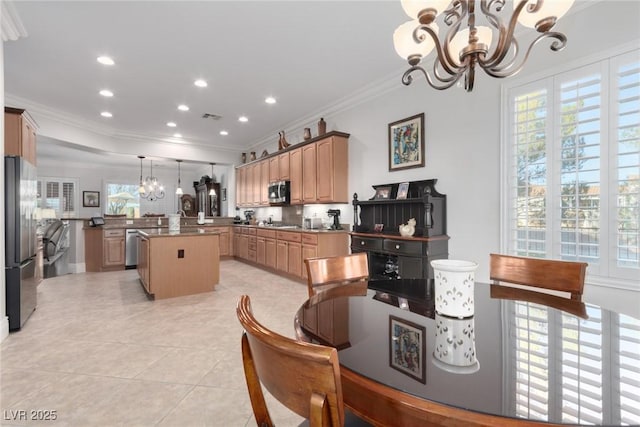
(99, 352)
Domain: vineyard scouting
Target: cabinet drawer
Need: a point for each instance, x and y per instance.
(267, 233)
(252, 246)
(288, 236)
(366, 243)
(251, 231)
(403, 247)
(114, 233)
(309, 239)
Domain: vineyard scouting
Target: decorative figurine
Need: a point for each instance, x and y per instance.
(253, 156)
(322, 127)
(244, 157)
(307, 133)
(282, 142)
(408, 229)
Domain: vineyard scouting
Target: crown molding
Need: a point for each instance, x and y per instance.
(12, 26)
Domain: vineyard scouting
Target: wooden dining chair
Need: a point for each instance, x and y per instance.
(304, 377)
(334, 271)
(566, 276)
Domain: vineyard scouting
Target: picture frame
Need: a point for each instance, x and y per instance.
(91, 199)
(383, 192)
(403, 190)
(406, 143)
(407, 348)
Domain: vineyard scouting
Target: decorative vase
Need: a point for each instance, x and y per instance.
(454, 287)
(253, 156)
(244, 157)
(307, 133)
(282, 142)
(455, 345)
(322, 127)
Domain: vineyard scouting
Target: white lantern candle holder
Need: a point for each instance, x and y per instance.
(455, 345)
(174, 223)
(454, 287)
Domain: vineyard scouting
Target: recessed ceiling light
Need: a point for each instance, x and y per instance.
(224, 132)
(183, 107)
(200, 83)
(105, 60)
(270, 100)
(243, 119)
(106, 92)
(106, 114)
(177, 135)
(171, 124)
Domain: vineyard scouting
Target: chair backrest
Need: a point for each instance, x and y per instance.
(336, 270)
(304, 377)
(564, 276)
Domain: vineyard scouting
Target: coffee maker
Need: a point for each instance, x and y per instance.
(335, 213)
(248, 216)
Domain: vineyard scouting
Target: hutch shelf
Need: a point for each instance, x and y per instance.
(390, 254)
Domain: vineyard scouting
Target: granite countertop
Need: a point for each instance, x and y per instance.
(164, 232)
(291, 228)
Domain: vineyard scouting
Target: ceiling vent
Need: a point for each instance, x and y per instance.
(211, 116)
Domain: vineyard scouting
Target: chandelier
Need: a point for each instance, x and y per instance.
(461, 49)
(150, 189)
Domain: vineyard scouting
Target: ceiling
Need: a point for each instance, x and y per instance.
(309, 55)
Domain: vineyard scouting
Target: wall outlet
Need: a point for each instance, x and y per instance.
(129, 222)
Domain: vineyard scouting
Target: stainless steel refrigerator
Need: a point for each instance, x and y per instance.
(20, 193)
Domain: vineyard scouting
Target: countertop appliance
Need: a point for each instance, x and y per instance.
(279, 193)
(335, 213)
(20, 193)
(313, 223)
(131, 249)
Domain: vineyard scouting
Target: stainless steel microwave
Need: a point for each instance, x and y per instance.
(279, 193)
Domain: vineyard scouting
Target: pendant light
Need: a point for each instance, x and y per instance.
(179, 189)
(212, 192)
(141, 188)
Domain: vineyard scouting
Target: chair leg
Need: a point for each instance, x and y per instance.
(256, 396)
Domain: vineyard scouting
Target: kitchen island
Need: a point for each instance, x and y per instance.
(177, 264)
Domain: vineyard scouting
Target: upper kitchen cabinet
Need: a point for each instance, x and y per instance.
(325, 170)
(19, 134)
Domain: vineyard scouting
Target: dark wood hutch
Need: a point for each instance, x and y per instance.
(210, 205)
(390, 254)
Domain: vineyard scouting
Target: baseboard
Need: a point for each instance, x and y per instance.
(4, 328)
(77, 268)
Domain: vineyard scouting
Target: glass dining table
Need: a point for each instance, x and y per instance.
(523, 356)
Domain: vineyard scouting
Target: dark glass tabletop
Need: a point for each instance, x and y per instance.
(574, 364)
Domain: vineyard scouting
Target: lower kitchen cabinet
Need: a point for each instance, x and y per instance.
(285, 251)
(104, 249)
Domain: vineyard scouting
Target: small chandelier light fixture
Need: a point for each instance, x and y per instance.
(150, 189)
(179, 189)
(462, 49)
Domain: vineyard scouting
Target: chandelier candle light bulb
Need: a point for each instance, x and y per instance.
(461, 49)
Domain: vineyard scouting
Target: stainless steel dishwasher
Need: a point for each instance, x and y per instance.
(131, 249)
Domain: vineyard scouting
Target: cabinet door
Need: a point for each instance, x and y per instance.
(243, 242)
(308, 251)
(283, 163)
(240, 174)
(255, 183)
(224, 244)
(295, 186)
(274, 169)
(282, 255)
(113, 251)
(325, 183)
(261, 251)
(410, 267)
(295, 259)
(309, 173)
(264, 182)
(270, 253)
(143, 262)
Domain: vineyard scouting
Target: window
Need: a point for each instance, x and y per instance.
(59, 194)
(123, 199)
(572, 147)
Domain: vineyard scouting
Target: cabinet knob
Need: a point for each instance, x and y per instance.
(362, 243)
(397, 246)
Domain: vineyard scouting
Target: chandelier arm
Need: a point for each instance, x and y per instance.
(506, 71)
(443, 57)
(505, 37)
(407, 78)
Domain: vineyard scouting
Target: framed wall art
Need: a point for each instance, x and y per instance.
(91, 199)
(407, 348)
(406, 143)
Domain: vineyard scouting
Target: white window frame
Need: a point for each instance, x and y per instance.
(43, 180)
(608, 275)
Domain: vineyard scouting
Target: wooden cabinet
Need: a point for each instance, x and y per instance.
(309, 174)
(328, 321)
(271, 253)
(274, 169)
(332, 170)
(104, 249)
(295, 185)
(225, 240)
(282, 255)
(283, 166)
(19, 134)
(143, 262)
(264, 183)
